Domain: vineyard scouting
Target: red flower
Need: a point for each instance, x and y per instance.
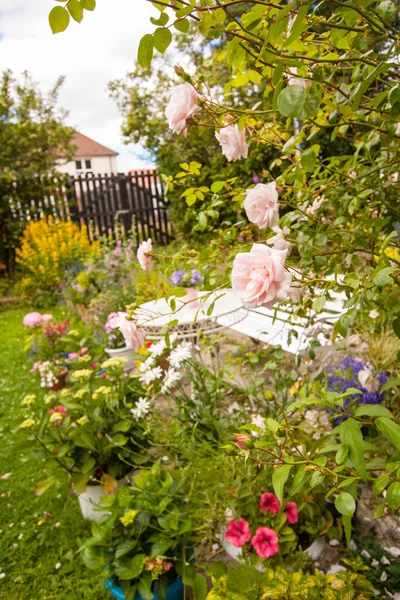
(238, 532)
(265, 542)
(94, 365)
(61, 410)
(269, 502)
(291, 512)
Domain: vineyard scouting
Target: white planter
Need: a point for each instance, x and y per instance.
(126, 353)
(229, 548)
(89, 500)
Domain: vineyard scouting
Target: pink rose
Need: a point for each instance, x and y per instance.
(84, 350)
(244, 442)
(112, 322)
(238, 532)
(278, 241)
(32, 319)
(265, 542)
(261, 205)
(269, 502)
(182, 105)
(134, 336)
(290, 511)
(259, 276)
(144, 255)
(46, 318)
(233, 142)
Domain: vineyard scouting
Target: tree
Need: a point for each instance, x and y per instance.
(33, 136)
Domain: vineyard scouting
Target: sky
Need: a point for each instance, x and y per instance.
(90, 54)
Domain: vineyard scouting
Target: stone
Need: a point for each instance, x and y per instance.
(366, 554)
(375, 563)
(394, 551)
(384, 576)
(336, 569)
(334, 543)
(353, 546)
(385, 560)
(316, 549)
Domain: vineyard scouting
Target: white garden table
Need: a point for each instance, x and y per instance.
(218, 310)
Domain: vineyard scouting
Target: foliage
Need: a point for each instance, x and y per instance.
(40, 534)
(48, 248)
(149, 530)
(32, 138)
(90, 429)
(244, 582)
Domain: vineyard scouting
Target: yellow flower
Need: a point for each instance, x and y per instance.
(57, 416)
(83, 374)
(83, 420)
(64, 393)
(113, 362)
(74, 333)
(28, 400)
(40, 522)
(84, 359)
(27, 423)
(50, 399)
(128, 517)
(102, 391)
(80, 393)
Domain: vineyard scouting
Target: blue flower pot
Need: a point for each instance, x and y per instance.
(174, 591)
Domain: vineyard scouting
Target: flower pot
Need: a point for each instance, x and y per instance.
(126, 353)
(89, 500)
(192, 297)
(174, 591)
(61, 381)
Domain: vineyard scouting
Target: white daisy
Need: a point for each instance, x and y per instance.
(141, 409)
(181, 353)
(171, 377)
(158, 349)
(374, 314)
(151, 375)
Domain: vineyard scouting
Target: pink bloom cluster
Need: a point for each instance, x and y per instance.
(259, 276)
(144, 255)
(182, 105)
(134, 336)
(233, 142)
(265, 540)
(75, 355)
(33, 319)
(58, 409)
(112, 322)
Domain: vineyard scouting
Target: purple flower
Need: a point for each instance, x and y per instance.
(256, 178)
(196, 277)
(177, 277)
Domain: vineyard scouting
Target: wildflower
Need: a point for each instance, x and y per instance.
(103, 390)
(158, 348)
(27, 423)
(58, 565)
(196, 277)
(82, 420)
(50, 399)
(74, 333)
(5, 476)
(269, 502)
(83, 374)
(374, 314)
(290, 511)
(114, 362)
(141, 409)
(238, 532)
(58, 413)
(64, 393)
(181, 353)
(80, 394)
(57, 524)
(84, 359)
(171, 377)
(21, 535)
(128, 517)
(28, 400)
(150, 375)
(2, 575)
(39, 523)
(177, 277)
(265, 542)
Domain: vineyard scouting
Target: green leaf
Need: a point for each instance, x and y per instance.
(162, 20)
(380, 483)
(347, 528)
(386, 10)
(393, 496)
(352, 280)
(396, 327)
(159, 547)
(382, 277)
(88, 4)
(279, 479)
(341, 454)
(58, 19)
(373, 410)
(319, 303)
(294, 101)
(94, 558)
(124, 547)
(342, 325)
(350, 434)
(391, 429)
(182, 25)
(308, 160)
(145, 50)
(299, 480)
(217, 186)
(199, 586)
(162, 39)
(130, 568)
(75, 9)
(392, 383)
(316, 478)
(345, 504)
(42, 486)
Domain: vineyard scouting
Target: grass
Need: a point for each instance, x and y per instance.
(37, 533)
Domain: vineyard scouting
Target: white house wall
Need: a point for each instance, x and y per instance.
(100, 165)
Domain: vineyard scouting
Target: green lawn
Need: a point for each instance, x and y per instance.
(31, 545)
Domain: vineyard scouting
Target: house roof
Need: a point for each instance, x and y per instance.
(86, 147)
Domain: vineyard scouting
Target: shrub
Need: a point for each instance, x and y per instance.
(48, 248)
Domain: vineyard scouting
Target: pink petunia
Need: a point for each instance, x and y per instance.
(291, 512)
(269, 502)
(265, 542)
(144, 255)
(238, 532)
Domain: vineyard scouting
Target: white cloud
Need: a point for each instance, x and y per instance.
(89, 54)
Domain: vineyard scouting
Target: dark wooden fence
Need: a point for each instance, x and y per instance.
(103, 203)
